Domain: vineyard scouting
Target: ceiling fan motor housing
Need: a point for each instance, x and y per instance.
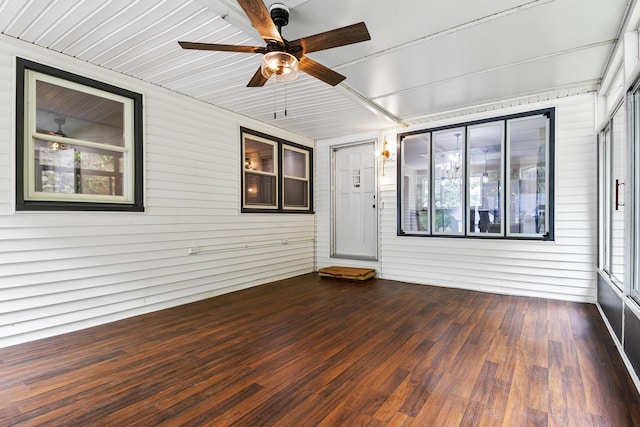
(279, 14)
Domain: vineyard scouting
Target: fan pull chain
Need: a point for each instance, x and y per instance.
(285, 99)
(275, 99)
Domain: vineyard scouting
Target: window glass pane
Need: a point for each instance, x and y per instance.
(618, 178)
(605, 197)
(295, 183)
(485, 177)
(295, 164)
(448, 155)
(295, 193)
(258, 156)
(260, 189)
(69, 169)
(260, 183)
(527, 194)
(71, 113)
(635, 255)
(416, 153)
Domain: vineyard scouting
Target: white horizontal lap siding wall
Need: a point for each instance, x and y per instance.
(62, 271)
(562, 269)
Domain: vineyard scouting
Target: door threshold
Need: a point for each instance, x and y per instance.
(355, 257)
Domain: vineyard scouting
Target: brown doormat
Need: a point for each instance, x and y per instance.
(348, 272)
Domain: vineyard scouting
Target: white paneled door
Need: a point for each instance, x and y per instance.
(355, 231)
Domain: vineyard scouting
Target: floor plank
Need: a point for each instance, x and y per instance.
(323, 351)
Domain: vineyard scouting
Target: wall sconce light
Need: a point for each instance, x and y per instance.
(384, 154)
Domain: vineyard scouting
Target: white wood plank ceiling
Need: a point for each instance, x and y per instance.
(425, 59)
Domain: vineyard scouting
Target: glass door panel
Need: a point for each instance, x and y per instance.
(605, 197)
(618, 172)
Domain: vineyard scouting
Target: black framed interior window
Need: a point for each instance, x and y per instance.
(78, 142)
(489, 179)
(276, 174)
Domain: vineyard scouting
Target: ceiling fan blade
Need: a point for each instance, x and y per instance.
(350, 34)
(261, 19)
(258, 80)
(222, 47)
(319, 71)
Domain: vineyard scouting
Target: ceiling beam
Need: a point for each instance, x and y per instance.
(369, 104)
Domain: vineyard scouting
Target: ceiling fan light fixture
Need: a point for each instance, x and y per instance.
(281, 57)
(282, 65)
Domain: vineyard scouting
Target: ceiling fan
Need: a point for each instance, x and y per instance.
(283, 58)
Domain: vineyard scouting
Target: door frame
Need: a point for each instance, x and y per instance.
(332, 189)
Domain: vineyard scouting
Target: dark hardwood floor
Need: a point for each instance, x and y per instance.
(317, 351)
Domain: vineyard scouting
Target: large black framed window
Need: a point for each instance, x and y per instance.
(78, 142)
(491, 178)
(276, 174)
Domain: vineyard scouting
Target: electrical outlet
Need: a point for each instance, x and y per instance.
(192, 251)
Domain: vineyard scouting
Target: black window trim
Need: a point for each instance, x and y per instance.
(138, 173)
(280, 143)
(549, 236)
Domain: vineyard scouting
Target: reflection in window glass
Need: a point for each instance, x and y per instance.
(69, 169)
(296, 182)
(259, 176)
(295, 163)
(448, 191)
(295, 193)
(260, 190)
(61, 167)
(71, 113)
(485, 177)
(416, 151)
(258, 156)
(527, 181)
